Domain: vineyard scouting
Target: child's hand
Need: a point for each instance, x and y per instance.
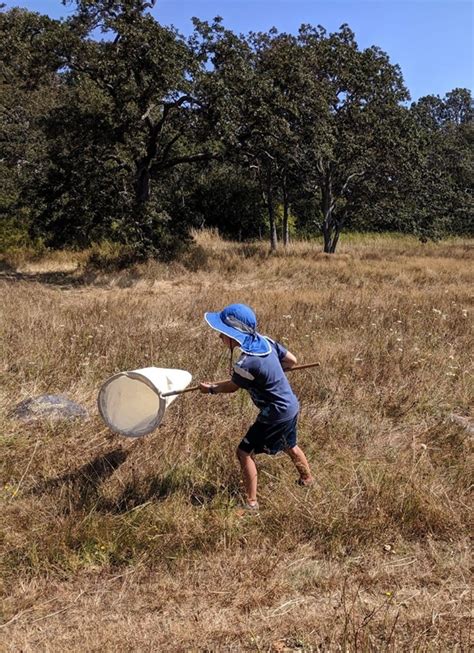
(205, 388)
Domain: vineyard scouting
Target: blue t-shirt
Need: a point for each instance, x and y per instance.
(263, 377)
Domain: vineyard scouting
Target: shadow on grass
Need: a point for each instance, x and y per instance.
(158, 488)
(83, 484)
(81, 489)
(89, 276)
(63, 280)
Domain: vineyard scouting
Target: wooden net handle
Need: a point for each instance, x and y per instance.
(196, 387)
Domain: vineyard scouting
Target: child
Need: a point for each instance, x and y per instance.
(260, 371)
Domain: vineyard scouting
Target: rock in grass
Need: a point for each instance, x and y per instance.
(55, 407)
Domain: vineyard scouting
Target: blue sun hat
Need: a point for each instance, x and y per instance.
(238, 321)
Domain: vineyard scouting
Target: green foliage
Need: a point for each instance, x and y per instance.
(228, 199)
(137, 135)
(125, 118)
(14, 233)
(29, 90)
(443, 187)
(354, 137)
(109, 256)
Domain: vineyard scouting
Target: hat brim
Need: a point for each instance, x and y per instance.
(256, 345)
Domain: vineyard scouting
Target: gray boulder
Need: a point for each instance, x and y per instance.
(55, 407)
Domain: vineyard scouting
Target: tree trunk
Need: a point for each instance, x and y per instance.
(142, 236)
(331, 233)
(271, 215)
(143, 165)
(335, 237)
(286, 212)
(338, 226)
(327, 206)
(267, 193)
(142, 183)
(327, 235)
(332, 225)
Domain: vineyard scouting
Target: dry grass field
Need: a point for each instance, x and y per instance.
(113, 544)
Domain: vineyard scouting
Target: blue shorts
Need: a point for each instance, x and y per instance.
(270, 438)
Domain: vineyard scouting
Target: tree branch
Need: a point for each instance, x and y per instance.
(203, 156)
(354, 174)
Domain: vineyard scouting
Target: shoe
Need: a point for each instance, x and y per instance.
(305, 482)
(251, 507)
(248, 509)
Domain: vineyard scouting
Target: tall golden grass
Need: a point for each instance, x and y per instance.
(117, 544)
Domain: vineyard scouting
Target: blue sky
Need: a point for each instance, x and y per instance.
(431, 40)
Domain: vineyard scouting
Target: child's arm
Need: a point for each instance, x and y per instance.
(288, 361)
(217, 388)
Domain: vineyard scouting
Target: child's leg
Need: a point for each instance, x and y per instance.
(301, 464)
(249, 475)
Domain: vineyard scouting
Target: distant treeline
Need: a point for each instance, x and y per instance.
(114, 127)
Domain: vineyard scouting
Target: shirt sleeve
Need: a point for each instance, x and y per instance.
(280, 351)
(242, 376)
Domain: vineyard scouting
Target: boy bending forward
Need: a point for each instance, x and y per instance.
(260, 371)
